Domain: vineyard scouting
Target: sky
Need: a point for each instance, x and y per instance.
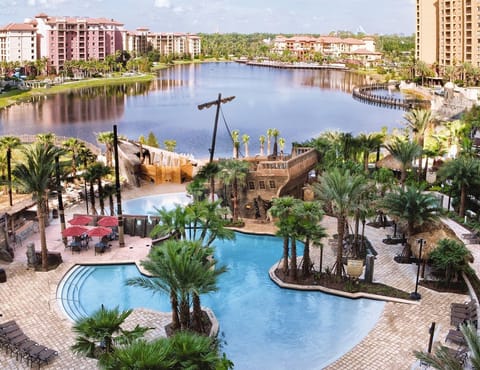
(225, 16)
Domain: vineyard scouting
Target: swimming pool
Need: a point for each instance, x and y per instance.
(146, 205)
(263, 326)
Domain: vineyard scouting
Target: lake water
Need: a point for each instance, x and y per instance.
(300, 103)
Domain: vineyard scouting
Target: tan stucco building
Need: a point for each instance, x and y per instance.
(447, 32)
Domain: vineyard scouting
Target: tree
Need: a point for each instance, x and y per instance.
(209, 172)
(234, 173)
(8, 143)
(340, 190)
(262, 144)
(98, 171)
(184, 269)
(34, 176)
(269, 138)
(184, 350)
(245, 140)
(308, 216)
(236, 143)
(104, 327)
(451, 256)
(170, 145)
(275, 134)
(419, 120)
(465, 174)
(369, 143)
(405, 152)
(413, 207)
(282, 209)
(73, 146)
(106, 138)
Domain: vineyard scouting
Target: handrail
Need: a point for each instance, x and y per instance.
(364, 93)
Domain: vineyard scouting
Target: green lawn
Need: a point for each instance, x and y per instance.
(15, 96)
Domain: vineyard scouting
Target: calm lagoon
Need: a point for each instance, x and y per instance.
(300, 103)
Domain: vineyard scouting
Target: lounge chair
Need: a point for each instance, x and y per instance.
(460, 313)
(456, 336)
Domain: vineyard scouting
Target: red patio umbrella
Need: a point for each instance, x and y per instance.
(75, 230)
(80, 220)
(108, 221)
(99, 231)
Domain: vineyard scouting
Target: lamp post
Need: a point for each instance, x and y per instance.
(415, 295)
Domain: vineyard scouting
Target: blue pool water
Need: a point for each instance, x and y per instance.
(263, 326)
(148, 205)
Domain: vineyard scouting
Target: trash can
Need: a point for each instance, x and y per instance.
(55, 213)
(3, 276)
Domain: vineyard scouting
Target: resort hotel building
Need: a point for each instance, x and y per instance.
(448, 32)
(62, 39)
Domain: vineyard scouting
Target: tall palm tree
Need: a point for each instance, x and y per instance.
(34, 176)
(234, 173)
(73, 146)
(99, 171)
(308, 216)
(103, 326)
(106, 138)
(269, 140)
(464, 171)
(283, 209)
(236, 143)
(209, 172)
(262, 144)
(90, 177)
(275, 134)
(419, 120)
(8, 143)
(46, 138)
(405, 152)
(341, 190)
(185, 270)
(413, 207)
(369, 143)
(245, 140)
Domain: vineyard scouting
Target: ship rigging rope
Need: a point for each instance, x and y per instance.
(230, 132)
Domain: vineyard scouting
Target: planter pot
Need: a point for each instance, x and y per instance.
(354, 268)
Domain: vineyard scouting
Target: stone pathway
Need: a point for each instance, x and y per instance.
(29, 298)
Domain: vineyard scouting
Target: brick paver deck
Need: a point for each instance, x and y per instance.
(29, 298)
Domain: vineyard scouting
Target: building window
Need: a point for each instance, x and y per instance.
(261, 184)
(272, 184)
(251, 185)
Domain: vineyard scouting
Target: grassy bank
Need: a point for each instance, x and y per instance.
(17, 96)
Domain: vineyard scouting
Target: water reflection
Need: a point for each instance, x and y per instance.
(301, 104)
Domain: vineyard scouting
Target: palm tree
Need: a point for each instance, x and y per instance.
(465, 173)
(9, 143)
(173, 222)
(308, 216)
(34, 176)
(341, 190)
(413, 207)
(236, 143)
(106, 138)
(269, 139)
(98, 171)
(183, 269)
(275, 134)
(102, 326)
(369, 143)
(405, 152)
(209, 172)
(90, 176)
(444, 359)
(46, 138)
(282, 209)
(245, 140)
(73, 146)
(419, 120)
(262, 144)
(184, 350)
(234, 173)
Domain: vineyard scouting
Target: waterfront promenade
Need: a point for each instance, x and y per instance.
(29, 298)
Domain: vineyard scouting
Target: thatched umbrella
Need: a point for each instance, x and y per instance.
(431, 238)
(389, 161)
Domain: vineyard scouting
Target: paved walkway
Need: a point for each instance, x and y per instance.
(29, 298)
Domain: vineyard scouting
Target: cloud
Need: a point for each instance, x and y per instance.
(162, 4)
(45, 3)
